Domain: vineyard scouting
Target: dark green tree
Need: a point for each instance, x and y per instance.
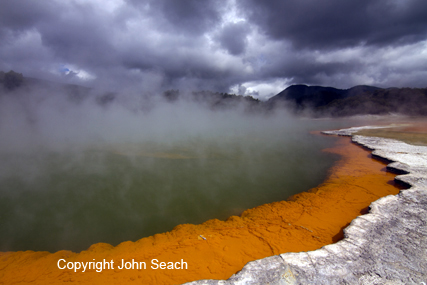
(12, 80)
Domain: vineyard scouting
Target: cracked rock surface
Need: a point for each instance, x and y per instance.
(386, 246)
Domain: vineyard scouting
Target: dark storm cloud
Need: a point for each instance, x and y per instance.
(165, 37)
(81, 36)
(186, 16)
(233, 37)
(20, 15)
(54, 32)
(333, 23)
(222, 46)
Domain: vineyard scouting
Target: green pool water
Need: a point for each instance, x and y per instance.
(113, 191)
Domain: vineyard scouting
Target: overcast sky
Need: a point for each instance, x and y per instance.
(251, 47)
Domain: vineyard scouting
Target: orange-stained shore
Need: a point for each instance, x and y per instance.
(217, 249)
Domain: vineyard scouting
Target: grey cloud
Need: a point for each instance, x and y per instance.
(333, 23)
(79, 34)
(77, 39)
(185, 16)
(233, 37)
(21, 15)
(57, 33)
(168, 44)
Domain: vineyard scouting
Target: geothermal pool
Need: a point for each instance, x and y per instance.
(74, 176)
(116, 192)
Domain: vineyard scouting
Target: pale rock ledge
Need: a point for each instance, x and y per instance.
(386, 246)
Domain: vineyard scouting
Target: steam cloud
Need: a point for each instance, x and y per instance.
(76, 170)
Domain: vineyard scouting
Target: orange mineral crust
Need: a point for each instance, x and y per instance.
(217, 249)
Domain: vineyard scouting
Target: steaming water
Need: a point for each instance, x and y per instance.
(66, 192)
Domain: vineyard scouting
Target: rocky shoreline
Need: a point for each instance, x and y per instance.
(386, 246)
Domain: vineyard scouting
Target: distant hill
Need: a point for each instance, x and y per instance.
(303, 96)
(358, 100)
